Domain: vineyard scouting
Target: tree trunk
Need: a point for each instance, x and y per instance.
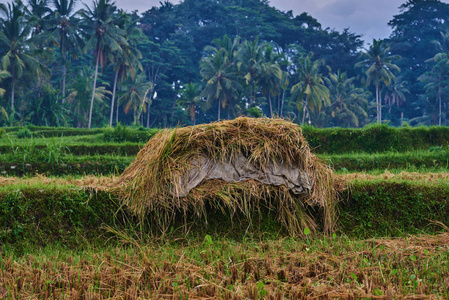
(282, 104)
(219, 102)
(271, 107)
(380, 107)
(377, 104)
(439, 106)
(64, 74)
(251, 96)
(148, 114)
(304, 111)
(93, 89)
(113, 98)
(116, 113)
(13, 85)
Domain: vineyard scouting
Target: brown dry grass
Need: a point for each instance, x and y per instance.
(409, 176)
(147, 183)
(101, 183)
(402, 268)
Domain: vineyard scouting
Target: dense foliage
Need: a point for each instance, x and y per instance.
(202, 60)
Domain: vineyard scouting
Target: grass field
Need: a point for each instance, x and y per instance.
(64, 236)
(315, 267)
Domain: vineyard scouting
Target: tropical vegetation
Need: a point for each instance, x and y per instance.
(95, 65)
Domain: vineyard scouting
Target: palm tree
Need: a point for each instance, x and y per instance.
(3, 112)
(78, 96)
(134, 95)
(190, 99)
(127, 58)
(443, 47)
(219, 74)
(379, 66)
(3, 74)
(251, 56)
(438, 79)
(105, 36)
(14, 33)
(310, 90)
(347, 101)
(270, 78)
(38, 15)
(395, 93)
(64, 29)
(230, 46)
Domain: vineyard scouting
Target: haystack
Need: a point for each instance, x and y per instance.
(238, 167)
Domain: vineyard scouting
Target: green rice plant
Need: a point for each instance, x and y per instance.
(55, 151)
(67, 164)
(126, 134)
(423, 159)
(24, 133)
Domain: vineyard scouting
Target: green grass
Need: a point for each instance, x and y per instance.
(357, 162)
(375, 139)
(59, 164)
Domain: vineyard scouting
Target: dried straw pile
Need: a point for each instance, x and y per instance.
(152, 183)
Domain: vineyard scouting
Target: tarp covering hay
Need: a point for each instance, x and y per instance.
(237, 166)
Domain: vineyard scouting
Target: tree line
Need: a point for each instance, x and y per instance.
(203, 60)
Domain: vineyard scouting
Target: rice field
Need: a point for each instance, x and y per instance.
(394, 248)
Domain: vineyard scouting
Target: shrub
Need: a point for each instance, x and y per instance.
(126, 134)
(24, 133)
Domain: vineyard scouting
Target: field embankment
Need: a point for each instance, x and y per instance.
(43, 210)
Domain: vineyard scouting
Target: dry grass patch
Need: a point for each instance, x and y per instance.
(99, 183)
(322, 268)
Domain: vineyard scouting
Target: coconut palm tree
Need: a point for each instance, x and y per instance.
(437, 80)
(39, 12)
(15, 30)
(133, 95)
(190, 99)
(219, 75)
(3, 74)
(79, 93)
(251, 56)
(443, 47)
(230, 46)
(310, 91)
(104, 37)
(395, 93)
(63, 27)
(379, 66)
(127, 58)
(270, 78)
(347, 101)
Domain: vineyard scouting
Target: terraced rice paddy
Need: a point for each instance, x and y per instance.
(64, 236)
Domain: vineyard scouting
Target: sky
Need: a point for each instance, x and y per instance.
(368, 18)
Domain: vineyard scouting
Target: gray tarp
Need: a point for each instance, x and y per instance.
(238, 169)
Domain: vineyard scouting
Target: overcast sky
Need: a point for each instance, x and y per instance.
(366, 17)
